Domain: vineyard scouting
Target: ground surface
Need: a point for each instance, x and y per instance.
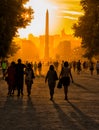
(81, 112)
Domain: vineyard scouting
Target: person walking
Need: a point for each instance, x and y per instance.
(97, 67)
(74, 63)
(20, 76)
(11, 78)
(29, 76)
(65, 76)
(4, 68)
(91, 67)
(51, 77)
(78, 67)
(39, 68)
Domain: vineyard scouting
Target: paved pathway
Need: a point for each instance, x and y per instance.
(81, 112)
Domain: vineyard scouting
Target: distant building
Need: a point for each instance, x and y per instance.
(59, 46)
(28, 51)
(64, 50)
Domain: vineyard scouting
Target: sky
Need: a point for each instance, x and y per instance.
(62, 15)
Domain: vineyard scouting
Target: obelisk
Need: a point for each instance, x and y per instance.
(46, 55)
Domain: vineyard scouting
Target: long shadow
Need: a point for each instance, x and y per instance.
(91, 77)
(79, 85)
(18, 114)
(85, 121)
(10, 113)
(67, 122)
(83, 87)
(31, 115)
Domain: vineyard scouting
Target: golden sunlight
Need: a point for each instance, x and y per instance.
(61, 15)
(37, 26)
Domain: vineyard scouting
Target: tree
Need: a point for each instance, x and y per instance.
(13, 49)
(13, 15)
(87, 27)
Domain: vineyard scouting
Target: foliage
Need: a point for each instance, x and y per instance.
(13, 15)
(13, 49)
(87, 27)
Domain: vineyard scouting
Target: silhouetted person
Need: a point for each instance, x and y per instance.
(51, 77)
(29, 76)
(97, 67)
(11, 78)
(20, 76)
(84, 65)
(91, 67)
(39, 68)
(74, 65)
(65, 76)
(4, 67)
(78, 67)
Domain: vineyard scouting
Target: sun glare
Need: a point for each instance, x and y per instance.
(62, 14)
(37, 26)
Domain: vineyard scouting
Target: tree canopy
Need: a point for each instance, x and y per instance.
(87, 27)
(13, 15)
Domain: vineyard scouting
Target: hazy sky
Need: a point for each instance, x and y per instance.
(62, 14)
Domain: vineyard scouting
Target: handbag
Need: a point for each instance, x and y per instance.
(59, 85)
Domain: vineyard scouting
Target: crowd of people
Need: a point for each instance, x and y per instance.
(16, 73)
(91, 66)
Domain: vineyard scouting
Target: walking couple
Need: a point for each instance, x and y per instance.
(65, 76)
